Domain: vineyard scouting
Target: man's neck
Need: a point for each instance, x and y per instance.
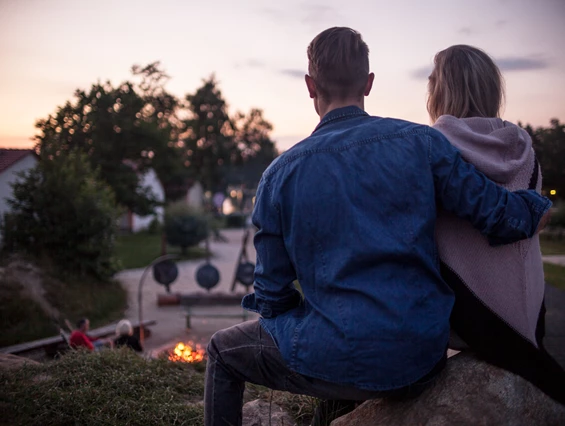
(324, 108)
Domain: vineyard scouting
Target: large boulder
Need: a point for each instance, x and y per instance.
(469, 392)
(9, 362)
(261, 413)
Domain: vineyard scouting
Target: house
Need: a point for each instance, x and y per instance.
(132, 222)
(13, 161)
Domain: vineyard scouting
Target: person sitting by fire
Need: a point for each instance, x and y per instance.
(125, 336)
(80, 339)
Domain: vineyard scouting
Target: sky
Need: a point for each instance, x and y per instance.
(257, 50)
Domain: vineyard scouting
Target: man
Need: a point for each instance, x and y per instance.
(350, 213)
(80, 339)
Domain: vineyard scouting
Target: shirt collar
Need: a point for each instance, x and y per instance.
(339, 114)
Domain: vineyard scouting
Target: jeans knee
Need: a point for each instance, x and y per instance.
(215, 345)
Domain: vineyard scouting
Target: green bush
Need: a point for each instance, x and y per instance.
(60, 210)
(558, 217)
(184, 226)
(235, 220)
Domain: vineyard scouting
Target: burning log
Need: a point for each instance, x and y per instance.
(188, 352)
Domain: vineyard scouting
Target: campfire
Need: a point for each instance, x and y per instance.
(187, 352)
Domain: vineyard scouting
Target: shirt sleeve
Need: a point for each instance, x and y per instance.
(503, 217)
(274, 273)
(80, 339)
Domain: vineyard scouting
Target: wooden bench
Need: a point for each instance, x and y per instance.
(244, 315)
(52, 345)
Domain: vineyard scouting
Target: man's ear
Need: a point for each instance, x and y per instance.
(369, 85)
(311, 85)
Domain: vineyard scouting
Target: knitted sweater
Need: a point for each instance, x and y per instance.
(508, 279)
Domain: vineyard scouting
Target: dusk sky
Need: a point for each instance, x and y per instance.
(257, 49)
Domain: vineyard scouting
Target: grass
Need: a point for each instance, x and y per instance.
(118, 387)
(554, 275)
(22, 319)
(107, 388)
(552, 246)
(140, 249)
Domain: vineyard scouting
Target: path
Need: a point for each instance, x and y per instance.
(557, 259)
(171, 321)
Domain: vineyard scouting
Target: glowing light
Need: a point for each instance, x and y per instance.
(553, 192)
(187, 353)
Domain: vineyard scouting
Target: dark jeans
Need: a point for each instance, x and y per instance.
(247, 353)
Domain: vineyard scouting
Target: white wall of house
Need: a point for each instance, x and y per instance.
(139, 223)
(9, 176)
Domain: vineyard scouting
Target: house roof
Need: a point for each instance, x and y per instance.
(9, 157)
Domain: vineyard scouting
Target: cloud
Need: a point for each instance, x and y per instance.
(500, 23)
(466, 30)
(421, 73)
(250, 63)
(312, 16)
(522, 64)
(316, 14)
(506, 64)
(294, 73)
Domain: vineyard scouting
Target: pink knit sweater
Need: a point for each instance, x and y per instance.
(508, 279)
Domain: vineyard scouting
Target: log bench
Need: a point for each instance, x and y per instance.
(190, 313)
(56, 344)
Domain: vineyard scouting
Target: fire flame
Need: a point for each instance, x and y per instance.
(187, 352)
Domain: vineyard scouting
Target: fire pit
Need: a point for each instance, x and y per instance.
(187, 352)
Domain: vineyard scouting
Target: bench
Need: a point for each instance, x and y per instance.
(52, 344)
(244, 315)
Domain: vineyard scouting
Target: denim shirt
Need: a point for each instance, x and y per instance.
(350, 213)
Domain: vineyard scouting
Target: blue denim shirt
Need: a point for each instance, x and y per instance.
(350, 212)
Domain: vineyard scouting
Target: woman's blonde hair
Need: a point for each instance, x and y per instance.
(124, 328)
(465, 82)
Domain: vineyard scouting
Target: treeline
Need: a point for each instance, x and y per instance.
(123, 130)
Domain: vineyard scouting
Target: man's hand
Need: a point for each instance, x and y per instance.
(543, 222)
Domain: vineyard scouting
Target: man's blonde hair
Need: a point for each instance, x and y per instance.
(465, 82)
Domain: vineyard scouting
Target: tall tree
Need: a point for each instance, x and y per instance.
(252, 136)
(106, 124)
(549, 144)
(162, 112)
(209, 137)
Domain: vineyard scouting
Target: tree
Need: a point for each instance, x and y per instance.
(549, 144)
(105, 124)
(184, 226)
(162, 111)
(209, 140)
(252, 135)
(124, 130)
(61, 210)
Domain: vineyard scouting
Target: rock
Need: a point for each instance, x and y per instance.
(9, 361)
(469, 392)
(256, 413)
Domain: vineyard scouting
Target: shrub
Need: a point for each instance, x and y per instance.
(558, 217)
(61, 210)
(185, 226)
(235, 220)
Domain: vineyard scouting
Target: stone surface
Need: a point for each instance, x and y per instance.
(468, 393)
(8, 361)
(261, 413)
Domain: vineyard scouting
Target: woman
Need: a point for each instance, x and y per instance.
(125, 337)
(499, 311)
